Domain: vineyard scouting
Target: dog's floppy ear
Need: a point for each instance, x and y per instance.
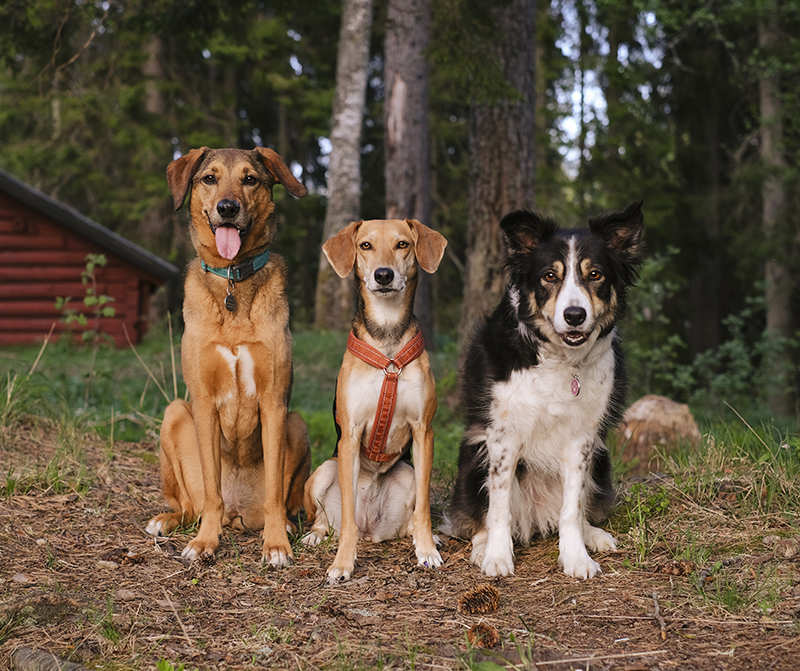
(341, 249)
(180, 173)
(524, 230)
(429, 245)
(276, 166)
(623, 231)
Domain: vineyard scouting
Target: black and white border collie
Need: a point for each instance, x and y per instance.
(542, 382)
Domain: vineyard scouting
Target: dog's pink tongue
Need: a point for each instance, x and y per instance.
(228, 241)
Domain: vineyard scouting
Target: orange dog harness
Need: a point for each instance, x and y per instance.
(383, 416)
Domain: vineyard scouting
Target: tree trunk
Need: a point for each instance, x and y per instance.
(777, 275)
(502, 159)
(408, 188)
(334, 296)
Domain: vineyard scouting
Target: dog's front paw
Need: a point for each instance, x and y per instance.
(277, 556)
(431, 559)
(313, 538)
(200, 549)
(338, 574)
(579, 565)
(495, 564)
(598, 540)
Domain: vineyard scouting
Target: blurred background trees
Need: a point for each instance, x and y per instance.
(570, 107)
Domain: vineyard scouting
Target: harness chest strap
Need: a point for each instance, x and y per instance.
(374, 450)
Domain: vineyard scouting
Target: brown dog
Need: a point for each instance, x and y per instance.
(368, 490)
(233, 455)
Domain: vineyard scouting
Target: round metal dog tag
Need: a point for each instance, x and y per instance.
(576, 386)
(230, 303)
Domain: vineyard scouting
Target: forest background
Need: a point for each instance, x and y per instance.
(569, 107)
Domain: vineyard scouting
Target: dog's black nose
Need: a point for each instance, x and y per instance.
(227, 209)
(574, 316)
(384, 276)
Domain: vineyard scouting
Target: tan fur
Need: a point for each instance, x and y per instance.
(353, 494)
(233, 455)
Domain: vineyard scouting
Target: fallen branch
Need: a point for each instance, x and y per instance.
(659, 618)
(622, 655)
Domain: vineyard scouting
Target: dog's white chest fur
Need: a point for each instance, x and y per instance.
(535, 414)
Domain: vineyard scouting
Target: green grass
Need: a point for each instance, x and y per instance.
(122, 394)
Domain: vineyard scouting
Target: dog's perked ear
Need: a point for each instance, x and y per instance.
(276, 167)
(524, 230)
(623, 231)
(429, 245)
(180, 173)
(340, 250)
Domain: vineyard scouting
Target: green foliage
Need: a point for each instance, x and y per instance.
(641, 505)
(165, 665)
(96, 303)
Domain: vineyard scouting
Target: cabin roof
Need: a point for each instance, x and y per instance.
(82, 225)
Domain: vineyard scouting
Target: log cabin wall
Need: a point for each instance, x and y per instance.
(42, 259)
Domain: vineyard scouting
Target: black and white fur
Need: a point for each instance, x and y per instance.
(533, 457)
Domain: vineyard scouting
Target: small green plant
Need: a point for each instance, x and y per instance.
(96, 304)
(642, 505)
(18, 394)
(165, 665)
(9, 624)
(106, 623)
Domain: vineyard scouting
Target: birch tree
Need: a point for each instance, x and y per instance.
(334, 296)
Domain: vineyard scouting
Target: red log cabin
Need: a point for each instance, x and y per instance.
(43, 250)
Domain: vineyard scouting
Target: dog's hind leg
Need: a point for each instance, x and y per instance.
(598, 540)
(323, 503)
(298, 462)
(181, 476)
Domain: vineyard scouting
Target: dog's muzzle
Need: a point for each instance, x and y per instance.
(384, 277)
(228, 209)
(574, 316)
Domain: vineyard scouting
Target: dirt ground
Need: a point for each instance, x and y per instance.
(79, 578)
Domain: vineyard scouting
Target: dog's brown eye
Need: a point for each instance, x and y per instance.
(549, 276)
(250, 180)
(595, 275)
(402, 244)
(209, 179)
(365, 245)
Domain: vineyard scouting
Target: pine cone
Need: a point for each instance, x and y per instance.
(483, 635)
(478, 601)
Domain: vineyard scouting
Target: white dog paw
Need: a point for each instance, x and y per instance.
(598, 540)
(154, 527)
(312, 539)
(478, 548)
(498, 564)
(277, 557)
(579, 565)
(429, 559)
(190, 553)
(338, 574)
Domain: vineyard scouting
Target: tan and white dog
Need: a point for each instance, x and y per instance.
(385, 399)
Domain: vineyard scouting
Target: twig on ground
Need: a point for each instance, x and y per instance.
(657, 615)
(177, 617)
(622, 655)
